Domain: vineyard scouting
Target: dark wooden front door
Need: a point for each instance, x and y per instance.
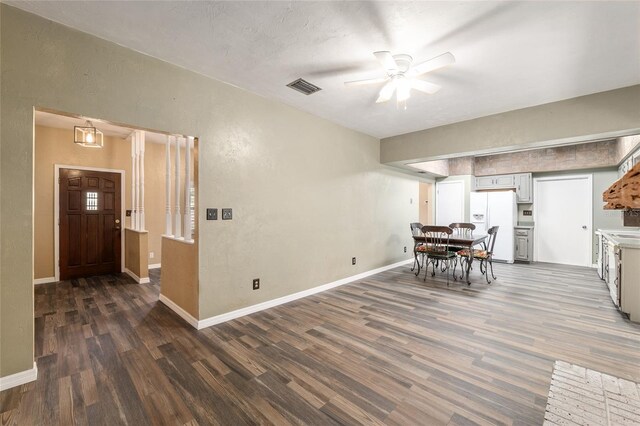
(90, 223)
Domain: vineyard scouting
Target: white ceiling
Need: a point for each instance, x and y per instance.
(509, 54)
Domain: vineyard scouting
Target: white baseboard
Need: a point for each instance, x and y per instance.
(154, 266)
(207, 322)
(44, 280)
(178, 310)
(595, 266)
(137, 278)
(17, 379)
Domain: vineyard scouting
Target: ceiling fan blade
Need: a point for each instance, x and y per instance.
(424, 86)
(433, 64)
(367, 81)
(386, 92)
(386, 60)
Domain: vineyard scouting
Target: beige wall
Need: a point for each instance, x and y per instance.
(179, 274)
(55, 146)
(613, 113)
(136, 248)
(307, 194)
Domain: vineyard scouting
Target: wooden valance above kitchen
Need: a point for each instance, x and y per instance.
(625, 192)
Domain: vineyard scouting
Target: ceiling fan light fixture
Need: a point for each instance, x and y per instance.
(88, 136)
(401, 75)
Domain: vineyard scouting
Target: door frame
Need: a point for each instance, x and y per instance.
(56, 210)
(430, 206)
(436, 196)
(536, 235)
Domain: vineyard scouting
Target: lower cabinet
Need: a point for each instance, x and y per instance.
(523, 244)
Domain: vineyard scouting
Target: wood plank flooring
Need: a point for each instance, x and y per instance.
(390, 349)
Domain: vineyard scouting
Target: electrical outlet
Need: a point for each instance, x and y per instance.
(151, 255)
(212, 214)
(405, 249)
(353, 260)
(256, 283)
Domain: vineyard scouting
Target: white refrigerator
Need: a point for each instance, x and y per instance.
(496, 208)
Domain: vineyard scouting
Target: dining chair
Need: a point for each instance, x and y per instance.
(437, 249)
(464, 230)
(416, 230)
(485, 257)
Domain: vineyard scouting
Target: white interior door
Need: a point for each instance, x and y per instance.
(563, 219)
(449, 202)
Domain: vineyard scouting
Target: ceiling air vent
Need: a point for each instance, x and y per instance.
(304, 86)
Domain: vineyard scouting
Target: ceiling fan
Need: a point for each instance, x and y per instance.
(402, 76)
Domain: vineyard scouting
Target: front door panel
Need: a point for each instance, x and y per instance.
(89, 223)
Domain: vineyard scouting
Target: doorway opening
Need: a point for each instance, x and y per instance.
(426, 203)
(92, 215)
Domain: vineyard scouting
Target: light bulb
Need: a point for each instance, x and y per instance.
(89, 137)
(404, 89)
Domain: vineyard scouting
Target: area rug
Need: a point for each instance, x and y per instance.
(582, 396)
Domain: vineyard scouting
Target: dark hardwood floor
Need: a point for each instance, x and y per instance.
(389, 349)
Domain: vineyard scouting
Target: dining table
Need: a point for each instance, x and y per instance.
(464, 241)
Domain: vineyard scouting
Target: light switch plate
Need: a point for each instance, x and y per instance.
(227, 214)
(212, 214)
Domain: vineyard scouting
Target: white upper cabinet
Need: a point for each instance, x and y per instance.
(524, 186)
(504, 181)
(484, 182)
(521, 182)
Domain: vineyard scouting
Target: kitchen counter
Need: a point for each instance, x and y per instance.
(622, 237)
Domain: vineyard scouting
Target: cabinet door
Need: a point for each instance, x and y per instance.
(605, 259)
(484, 182)
(522, 247)
(504, 181)
(523, 188)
